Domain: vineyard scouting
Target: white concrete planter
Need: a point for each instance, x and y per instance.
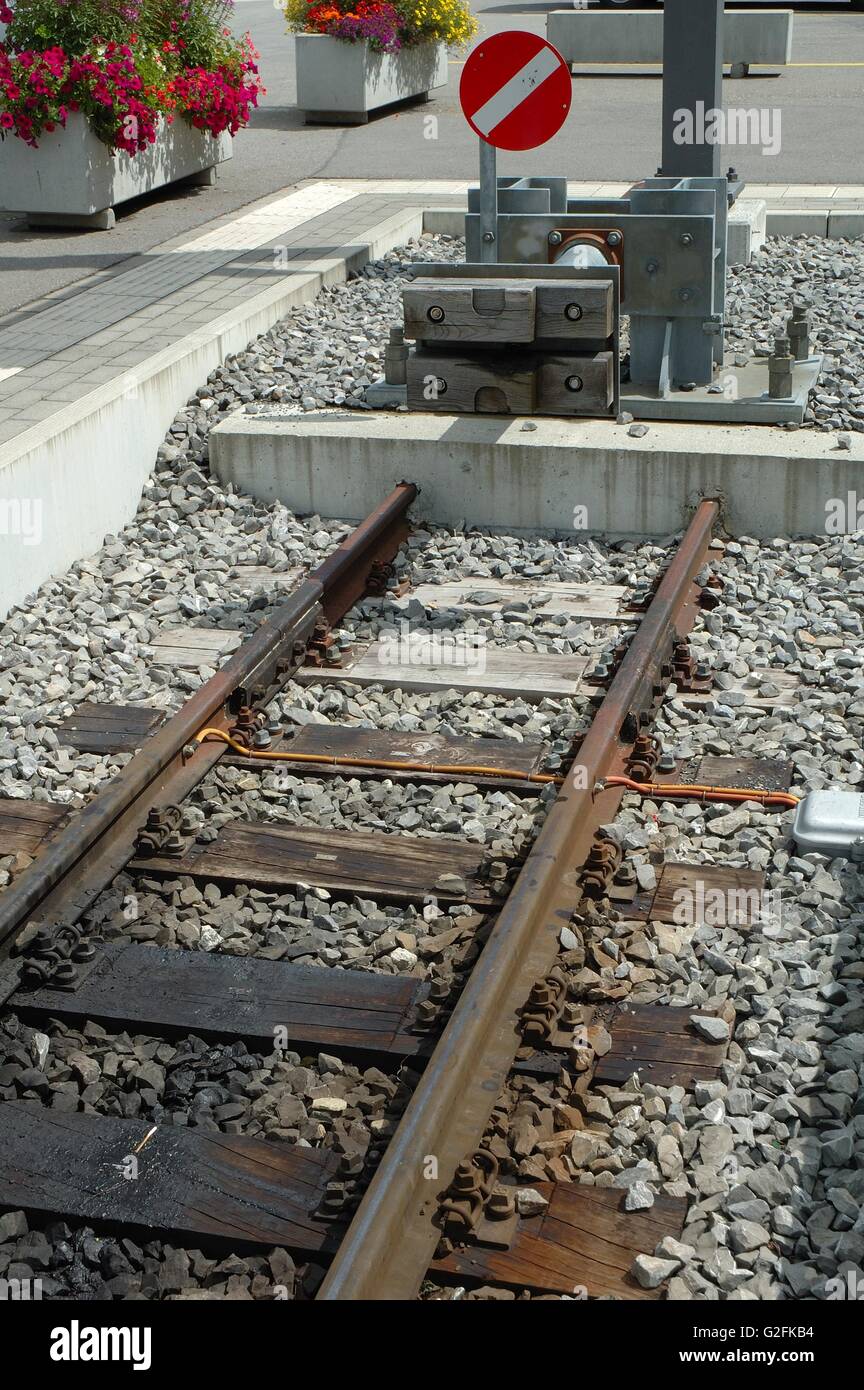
(636, 36)
(73, 178)
(339, 83)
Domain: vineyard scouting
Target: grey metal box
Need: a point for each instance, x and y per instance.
(831, 822)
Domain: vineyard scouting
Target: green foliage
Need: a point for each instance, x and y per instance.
(73, 25)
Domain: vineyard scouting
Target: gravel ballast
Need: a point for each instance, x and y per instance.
(768, 1158)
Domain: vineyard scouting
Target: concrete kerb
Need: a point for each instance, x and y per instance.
(87, 463)
(562, 476)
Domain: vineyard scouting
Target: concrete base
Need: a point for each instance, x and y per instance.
(747, 229)
(104, 221)
(383, 395)
(559, 476)
(743, 399)
(636, 36)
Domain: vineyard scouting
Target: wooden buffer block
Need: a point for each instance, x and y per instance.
(514, 343)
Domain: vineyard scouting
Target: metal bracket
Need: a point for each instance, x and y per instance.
(548, 1019)
(319, 650)
(380, 573)
(345, 1190)
(604, 860)
(711, 594)
(163, 834)
(431, 1009)
(691, 676)
(642, 762)
(58, 958)
(473, 1207)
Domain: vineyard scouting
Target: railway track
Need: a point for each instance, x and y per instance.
(428, 1192)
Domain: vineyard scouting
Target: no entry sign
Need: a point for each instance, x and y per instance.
(515, 90)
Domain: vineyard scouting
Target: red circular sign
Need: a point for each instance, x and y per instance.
(515, 90)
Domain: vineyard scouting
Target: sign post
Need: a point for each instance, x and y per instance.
(515, 93)
(488, 201)
(692, 73)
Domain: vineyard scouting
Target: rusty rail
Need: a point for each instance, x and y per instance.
(81, 860)
(390, 1243)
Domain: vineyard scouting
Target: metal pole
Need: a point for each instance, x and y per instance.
(488, 202)
(692, 86)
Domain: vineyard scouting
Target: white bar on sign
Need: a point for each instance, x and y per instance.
(514, 92)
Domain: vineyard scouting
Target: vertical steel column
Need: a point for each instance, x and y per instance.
(488, 202)
(693, 82)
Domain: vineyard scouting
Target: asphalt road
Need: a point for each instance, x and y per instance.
(613, 132)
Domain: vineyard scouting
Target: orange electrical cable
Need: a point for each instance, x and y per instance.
(693, 792)
(397, 765)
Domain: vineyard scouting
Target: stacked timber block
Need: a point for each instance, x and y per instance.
(514, 344)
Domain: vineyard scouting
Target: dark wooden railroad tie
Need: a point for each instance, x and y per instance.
(583, 1240)
(186, 1182)
(690, 894)
(390, 868)
(26, 825)
(661, 1045)
(328, 740)
(109, 728)
(757, 774)
(155, 989)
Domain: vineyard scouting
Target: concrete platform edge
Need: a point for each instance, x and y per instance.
(84, 467)
(561, 476)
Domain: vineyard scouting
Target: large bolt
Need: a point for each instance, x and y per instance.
(780, 370)
(396, 358)
(573, 312)
(798, 329)
(555, 238)
(613, 239)
(686, 239)
(435, 313)
(488, 237)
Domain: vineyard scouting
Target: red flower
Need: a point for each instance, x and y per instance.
(39, 90)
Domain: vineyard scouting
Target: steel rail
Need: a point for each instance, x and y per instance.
(390, 1243)
(80, 860)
